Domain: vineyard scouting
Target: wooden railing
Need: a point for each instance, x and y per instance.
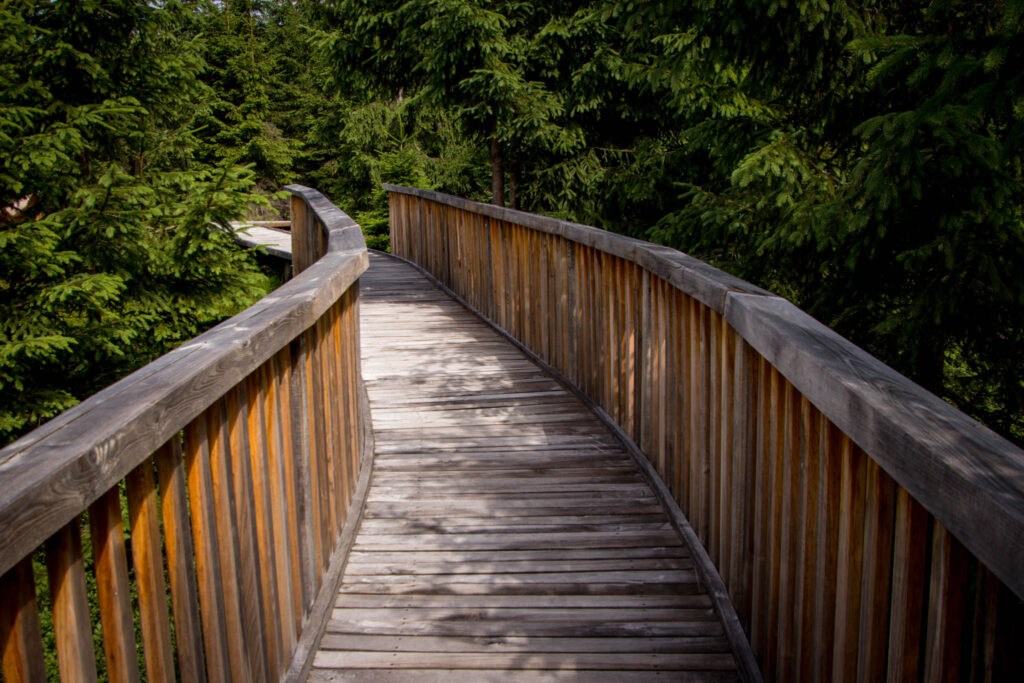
(863, 527)
(239, 461)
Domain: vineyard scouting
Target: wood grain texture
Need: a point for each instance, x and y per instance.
(180, 551)
(786, 446)
(112, 587)
(149, 572)
(21, 647)
(698, 279)
(447, 555)
(256, 431)
(52, 473)
(207, 558)
(72, 629)
(264, 401)
(964, 474)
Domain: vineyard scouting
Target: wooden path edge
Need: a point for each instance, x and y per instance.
(316, 622)
(746, 662)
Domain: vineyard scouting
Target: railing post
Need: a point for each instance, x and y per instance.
(301, 454)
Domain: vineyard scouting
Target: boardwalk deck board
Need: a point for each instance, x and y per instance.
(506, 534)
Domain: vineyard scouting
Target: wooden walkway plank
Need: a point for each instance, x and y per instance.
(507, 535)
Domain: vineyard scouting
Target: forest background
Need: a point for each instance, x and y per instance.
(862, 158)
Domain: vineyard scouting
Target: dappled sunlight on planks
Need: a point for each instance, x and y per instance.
(505, 528)
(860, 525)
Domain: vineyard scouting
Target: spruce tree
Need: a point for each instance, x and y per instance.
(110, 253)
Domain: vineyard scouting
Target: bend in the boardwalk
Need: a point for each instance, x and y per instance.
(506, 535)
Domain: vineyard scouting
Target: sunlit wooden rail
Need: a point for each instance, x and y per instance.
(194, 520)
(238, 461)
(864, 529)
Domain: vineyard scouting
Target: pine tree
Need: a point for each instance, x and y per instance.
(107, 255)
(863, 159)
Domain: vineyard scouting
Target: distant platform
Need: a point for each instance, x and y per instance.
(277, 242)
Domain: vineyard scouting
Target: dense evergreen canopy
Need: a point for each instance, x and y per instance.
(107, 256)
(863, 158)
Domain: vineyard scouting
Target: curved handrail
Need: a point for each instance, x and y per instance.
(970, 478)
(51, 474)
(258, 433)
(839, 502)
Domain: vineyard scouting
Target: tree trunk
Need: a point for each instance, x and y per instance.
(497, 169)
(931, 362)
(513, 183)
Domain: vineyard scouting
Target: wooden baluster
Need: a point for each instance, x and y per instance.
(693, 421)
(827, 545)
(328, 419)
(300, 260)
(662, 393)
(296, 470)
(180, 553)
(21, 645)
(703, 424)
(684, 402)
(71, 626)
(630, 323)
(908, 583)
(351, 335)
(713, 433)
(285, 547)
(112, 588)
(646, 413)
(849, 562)
(149, 572)
(776, 462)
(594, 321)
(346, 343)
(544, 314)
(809, 457)
(321, 414)
(312, 483)
(945, 607)
(986, 626)
(227, 540)
(877, 574)
(725, 430)
(572, 331)
(677, 392)
(347, 399)
(344, 403)
(242, 517)
(760, 628)
(259, 467)
(744, 487)
(789, 491)
(204, 531)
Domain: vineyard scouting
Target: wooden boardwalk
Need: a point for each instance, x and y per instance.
(506, 535)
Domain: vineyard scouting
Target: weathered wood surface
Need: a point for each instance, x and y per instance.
(504, 528)
(969, 478)
(52, 473)
(804, 466)
(277, 242)
(215, 451)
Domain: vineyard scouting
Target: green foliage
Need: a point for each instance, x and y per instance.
(524, 82)
(865, 160)
(107, 254)
(862, 158)
(243, 45)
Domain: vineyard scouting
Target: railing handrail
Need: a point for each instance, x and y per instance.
(53, 473)
(967, 476)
